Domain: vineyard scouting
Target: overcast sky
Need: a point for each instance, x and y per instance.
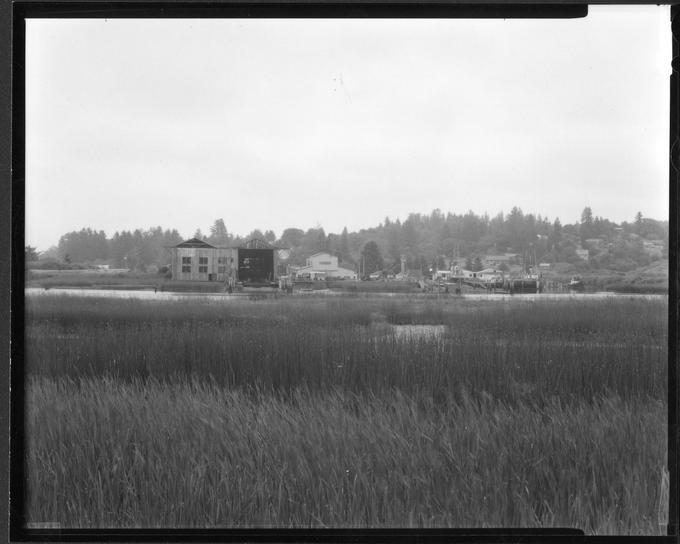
(283, 123)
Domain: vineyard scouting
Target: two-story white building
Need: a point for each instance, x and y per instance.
(324, 266)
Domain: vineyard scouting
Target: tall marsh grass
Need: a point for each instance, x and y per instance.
(108, 454)
(316, 413)
(510, 351)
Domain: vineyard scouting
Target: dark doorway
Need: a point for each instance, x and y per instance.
(256, 265)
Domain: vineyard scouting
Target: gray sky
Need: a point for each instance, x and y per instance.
(283, 123)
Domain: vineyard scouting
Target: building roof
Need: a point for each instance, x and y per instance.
(254, 243)
(310, 268)
(257, 243)
(194, 242)
(321, 253)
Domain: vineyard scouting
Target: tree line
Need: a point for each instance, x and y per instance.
(425, 240)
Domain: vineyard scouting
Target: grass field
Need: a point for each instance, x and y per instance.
(322, 412)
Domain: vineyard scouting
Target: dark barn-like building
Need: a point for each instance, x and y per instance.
(256, 262)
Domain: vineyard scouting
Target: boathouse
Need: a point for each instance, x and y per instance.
(196, 260)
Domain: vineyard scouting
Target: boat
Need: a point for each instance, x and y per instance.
(524, 285)
(576, 284)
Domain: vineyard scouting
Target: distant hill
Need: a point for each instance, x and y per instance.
(434, 240)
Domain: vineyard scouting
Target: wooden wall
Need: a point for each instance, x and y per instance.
(220, 263)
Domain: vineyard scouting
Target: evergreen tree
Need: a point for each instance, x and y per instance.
(555, 235)
(322, 242)
(372, 260)
(515, 228)
(219, 236)
(255, 234)
(84, 246)
(410, 235)
(344, 245)
(586, 227)
(218, 229)
(638, 223)
(393, 246)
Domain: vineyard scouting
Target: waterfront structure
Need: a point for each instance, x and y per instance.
(324, 266)
(196, 260)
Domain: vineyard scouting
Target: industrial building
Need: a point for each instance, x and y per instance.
(255, 262)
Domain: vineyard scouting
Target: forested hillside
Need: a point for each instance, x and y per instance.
(425, 240)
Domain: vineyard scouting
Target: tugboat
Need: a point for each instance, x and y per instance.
(576, 284)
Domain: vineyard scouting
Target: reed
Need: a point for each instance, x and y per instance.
(149, 454)
(515, 351)
(321, 412)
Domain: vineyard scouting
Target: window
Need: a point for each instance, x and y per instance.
(221, 260)
(221, 269)
(186, 260)
(186, 269)
(324, 262)
(203, 260)
(202, 269)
